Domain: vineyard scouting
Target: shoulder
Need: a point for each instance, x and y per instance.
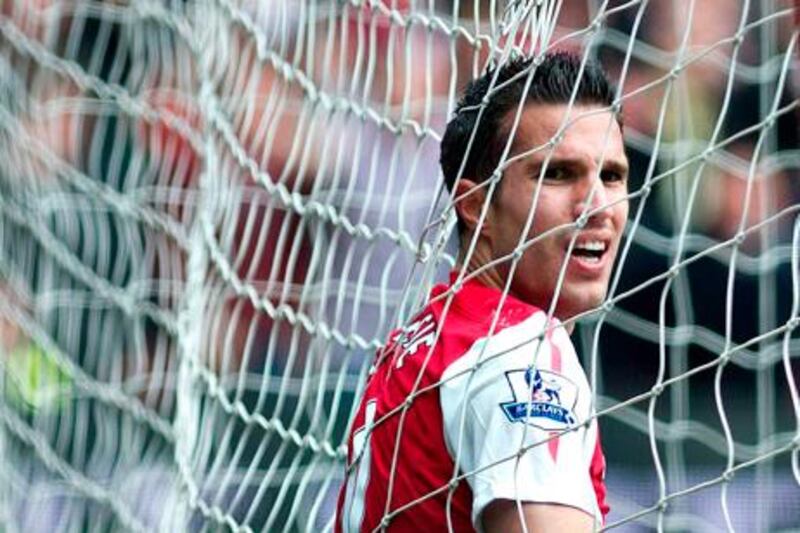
(512, 344)
(474, 313)
(533, 355)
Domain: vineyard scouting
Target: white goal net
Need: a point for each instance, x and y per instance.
(212, 212)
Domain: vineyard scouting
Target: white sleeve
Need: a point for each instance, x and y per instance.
(523, 392)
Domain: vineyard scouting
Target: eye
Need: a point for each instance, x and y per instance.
(556, 173)
(609, 176)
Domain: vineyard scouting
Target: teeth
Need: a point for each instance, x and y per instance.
(592, 246)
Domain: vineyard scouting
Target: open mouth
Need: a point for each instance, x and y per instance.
(590, 251)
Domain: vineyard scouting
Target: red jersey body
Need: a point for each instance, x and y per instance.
(448, 407)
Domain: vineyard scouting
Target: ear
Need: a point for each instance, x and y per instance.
(469, 200)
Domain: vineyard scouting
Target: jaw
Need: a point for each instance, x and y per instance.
(585, 281)
(583, 289)
(585, 285)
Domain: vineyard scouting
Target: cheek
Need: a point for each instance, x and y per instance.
(551, 210)
(515, 217)
(621, 214)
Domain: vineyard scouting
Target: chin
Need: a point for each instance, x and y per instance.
(579, 301)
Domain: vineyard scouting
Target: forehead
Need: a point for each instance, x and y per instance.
(590, 131)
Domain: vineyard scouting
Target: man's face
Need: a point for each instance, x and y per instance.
(591, 155)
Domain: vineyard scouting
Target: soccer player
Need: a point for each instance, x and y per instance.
(478, 414)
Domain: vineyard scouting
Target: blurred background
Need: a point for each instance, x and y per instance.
(213, 212)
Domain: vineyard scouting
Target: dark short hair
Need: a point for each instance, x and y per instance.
(553, 82)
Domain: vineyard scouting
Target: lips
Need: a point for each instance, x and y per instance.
(590, 253)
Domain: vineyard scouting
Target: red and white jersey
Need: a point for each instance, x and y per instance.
(439, 430)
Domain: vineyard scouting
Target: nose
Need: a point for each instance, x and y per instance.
(591, 198)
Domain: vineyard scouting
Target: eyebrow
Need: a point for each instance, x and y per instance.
(534, 165)
(616, 165)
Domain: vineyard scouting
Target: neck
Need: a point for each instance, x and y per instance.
(489, 277)
(481, 256)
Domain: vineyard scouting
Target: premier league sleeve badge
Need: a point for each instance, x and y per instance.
(541, 398)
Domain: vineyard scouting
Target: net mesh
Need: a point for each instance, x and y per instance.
(213, 212)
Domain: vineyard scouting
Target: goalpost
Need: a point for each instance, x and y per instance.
(213, 212)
